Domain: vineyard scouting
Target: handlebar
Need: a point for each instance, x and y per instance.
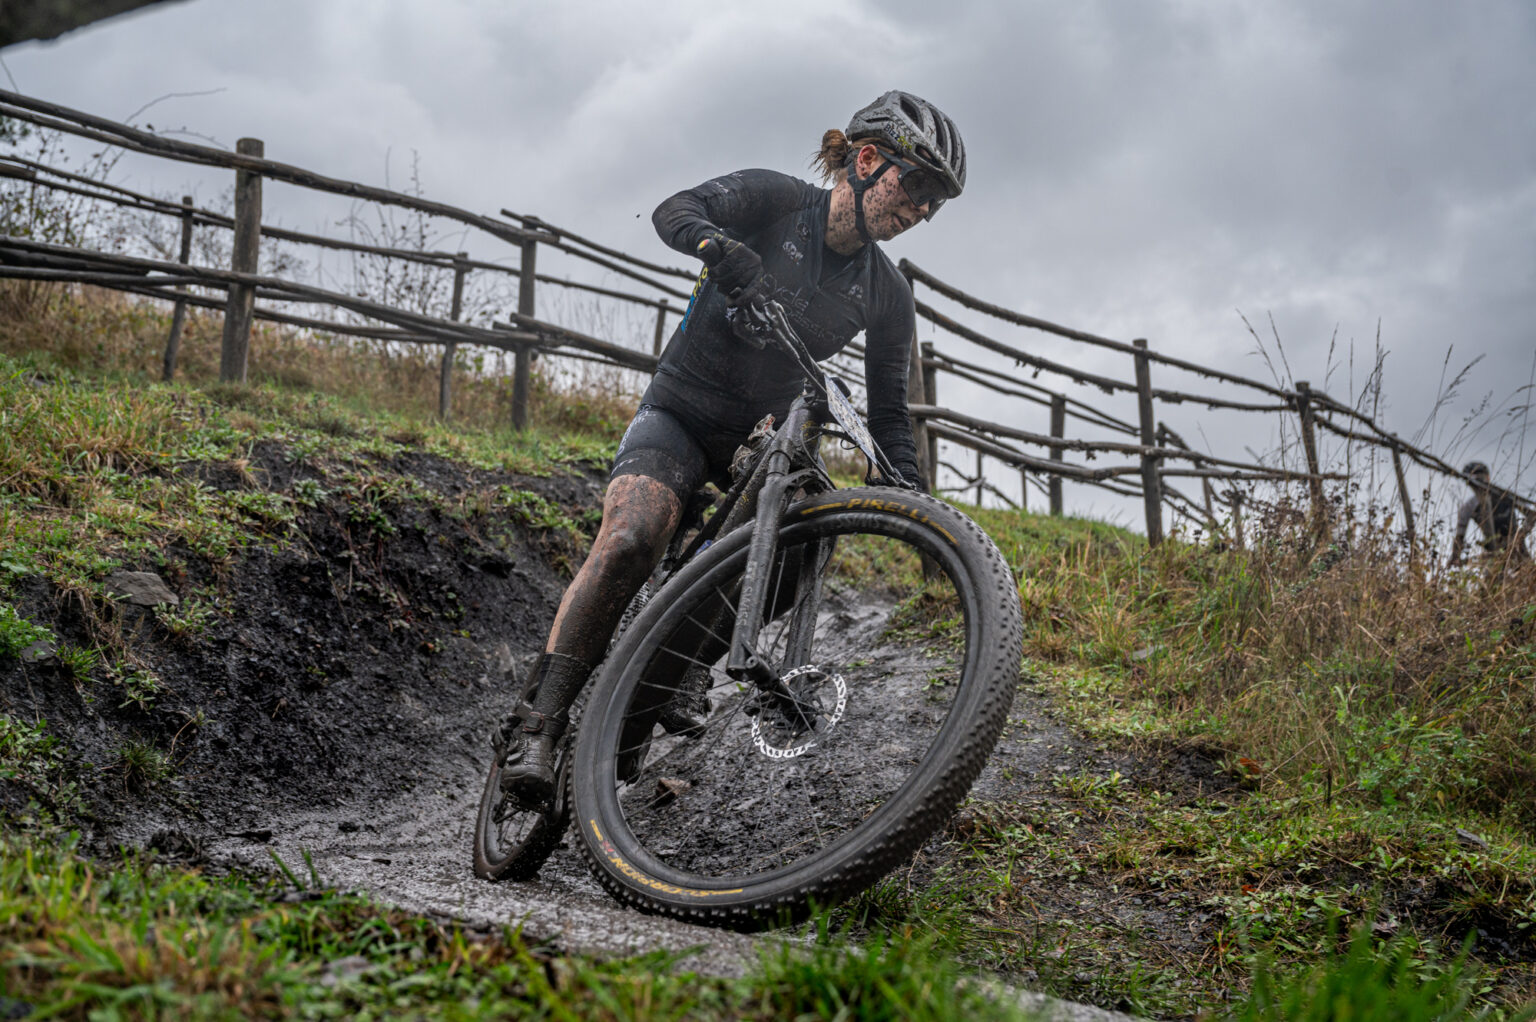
(764, 321)
(710, 252)
(749, 321)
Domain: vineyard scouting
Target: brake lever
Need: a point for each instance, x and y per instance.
(751, 325)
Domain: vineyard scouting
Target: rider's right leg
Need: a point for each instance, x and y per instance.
(639, 517)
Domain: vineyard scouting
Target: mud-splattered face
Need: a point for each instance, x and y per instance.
(888, 209)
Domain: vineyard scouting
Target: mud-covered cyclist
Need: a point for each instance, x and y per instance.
(816, 252)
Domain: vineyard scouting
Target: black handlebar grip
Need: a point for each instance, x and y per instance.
(710, 251)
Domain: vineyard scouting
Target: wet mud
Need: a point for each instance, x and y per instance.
(336, 710)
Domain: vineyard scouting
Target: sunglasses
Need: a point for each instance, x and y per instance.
(923, 186)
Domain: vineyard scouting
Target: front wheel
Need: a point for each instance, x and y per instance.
(899, 658)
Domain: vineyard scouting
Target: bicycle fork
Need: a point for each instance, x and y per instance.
(745, 663)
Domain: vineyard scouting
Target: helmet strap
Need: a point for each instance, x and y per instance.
(860, 186)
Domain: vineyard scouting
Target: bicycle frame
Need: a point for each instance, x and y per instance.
(771, 483)
(780, 481)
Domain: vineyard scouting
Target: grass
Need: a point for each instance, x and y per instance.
(131, 939)
(1368, 982)
(1370, 723)
(101, 468)
(1323, 668)
(17, 634)
(34, 762)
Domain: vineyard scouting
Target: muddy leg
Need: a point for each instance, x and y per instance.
(639, 516)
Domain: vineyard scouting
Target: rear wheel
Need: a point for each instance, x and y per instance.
(513, 843)
(900, 658)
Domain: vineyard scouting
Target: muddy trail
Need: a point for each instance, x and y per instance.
(331, 709)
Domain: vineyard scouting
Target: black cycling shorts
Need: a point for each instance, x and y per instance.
(664, 445)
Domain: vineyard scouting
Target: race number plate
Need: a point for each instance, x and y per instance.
(848, 418)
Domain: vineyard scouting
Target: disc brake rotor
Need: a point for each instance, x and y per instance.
(777, 736)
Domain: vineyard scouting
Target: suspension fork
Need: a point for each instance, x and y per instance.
(807, 605)
(744, 663)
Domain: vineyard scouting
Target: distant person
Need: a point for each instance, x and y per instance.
(815, 251)
(1496, 514)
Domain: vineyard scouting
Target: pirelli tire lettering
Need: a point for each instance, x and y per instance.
(623, 866)
(887, 505)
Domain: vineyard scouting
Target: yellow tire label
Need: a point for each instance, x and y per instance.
(875, 504)
(612, 855)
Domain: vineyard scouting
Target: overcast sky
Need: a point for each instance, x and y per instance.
(1137, 169)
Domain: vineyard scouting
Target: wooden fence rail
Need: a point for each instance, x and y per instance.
(141, 273)
(1158, 451)
(201, 217)
(953, 293)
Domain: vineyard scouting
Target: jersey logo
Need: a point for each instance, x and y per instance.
(793, 251)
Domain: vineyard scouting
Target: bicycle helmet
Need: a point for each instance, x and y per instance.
(921, 137)
(1474, 468)
(917, 131)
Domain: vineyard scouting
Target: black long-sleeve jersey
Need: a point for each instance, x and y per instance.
(827, 297)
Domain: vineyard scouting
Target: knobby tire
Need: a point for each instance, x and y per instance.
(897, 706)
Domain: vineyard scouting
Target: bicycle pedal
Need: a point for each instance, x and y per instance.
(522, 802)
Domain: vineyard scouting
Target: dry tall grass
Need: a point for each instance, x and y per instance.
(92, 330)
(1338, 663)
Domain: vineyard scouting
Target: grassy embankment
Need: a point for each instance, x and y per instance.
(1374, 724)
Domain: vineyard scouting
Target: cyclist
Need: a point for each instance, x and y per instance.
(816, 252)
(1493, 509)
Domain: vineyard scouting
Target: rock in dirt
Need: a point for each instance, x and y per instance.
(141, 588)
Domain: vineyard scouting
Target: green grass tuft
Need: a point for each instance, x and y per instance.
(1371, 981)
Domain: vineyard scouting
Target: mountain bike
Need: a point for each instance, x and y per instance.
(812, 684)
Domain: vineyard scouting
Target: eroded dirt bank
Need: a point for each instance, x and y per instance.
(334, 667)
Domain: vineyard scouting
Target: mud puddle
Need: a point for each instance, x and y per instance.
(411, 848)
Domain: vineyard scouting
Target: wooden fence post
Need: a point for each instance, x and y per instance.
(931, 396)
(1309, 448)
(918, 392)
(1237, 516)
(1151, 485)
(522, 363)
(979, 456)
(1058, 431)
(445, 377)
(1402, 492)
(920, 388)
(661, 328)
(1023, 490)
(244, 255)
(179, 316)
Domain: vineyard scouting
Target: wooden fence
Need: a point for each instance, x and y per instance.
(1159, 455)
(1313, 409)
(524, 335)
